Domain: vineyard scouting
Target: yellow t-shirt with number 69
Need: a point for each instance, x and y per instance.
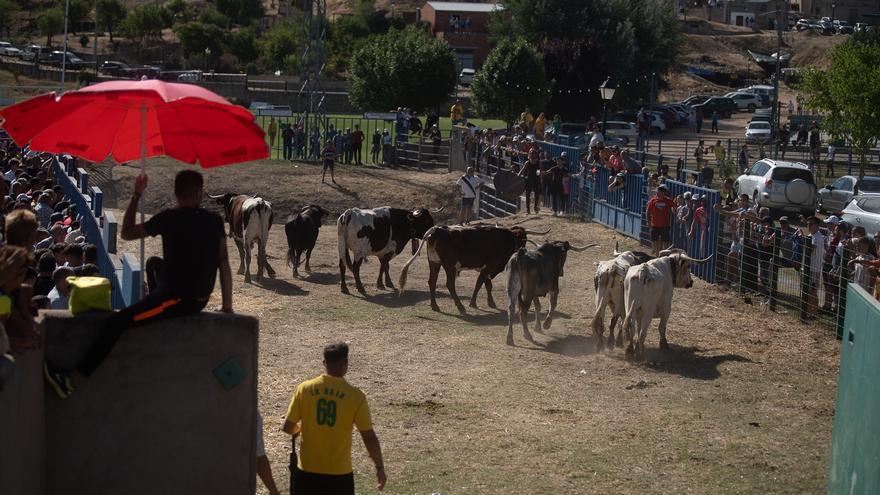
(327, 407)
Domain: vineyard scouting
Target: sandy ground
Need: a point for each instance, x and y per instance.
(742, 403)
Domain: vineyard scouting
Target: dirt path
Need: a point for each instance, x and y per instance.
(742, 403)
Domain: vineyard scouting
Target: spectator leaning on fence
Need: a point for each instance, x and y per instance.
(659, 211)
(818, 244)
(860, 264)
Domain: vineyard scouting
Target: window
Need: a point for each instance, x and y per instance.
(786, 174)
(760, 168)
(871, 205)
(839, 183)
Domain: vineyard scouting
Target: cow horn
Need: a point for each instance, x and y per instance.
(535, 232)
(694, 260)
(533, 242)
(215, 197)
(417, 213)
(581, 248)
(670, 250)
(616, 252)
(438, 210)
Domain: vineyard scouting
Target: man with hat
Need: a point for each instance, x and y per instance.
(531, 169)
(557, 173)
(659, 213)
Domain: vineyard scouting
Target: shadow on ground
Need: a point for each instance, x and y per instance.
(282, 287)
(687, 362)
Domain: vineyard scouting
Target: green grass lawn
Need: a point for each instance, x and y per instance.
(348, 121)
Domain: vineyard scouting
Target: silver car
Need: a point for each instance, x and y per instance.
(836, 196)
(781, 185)
(864, 212)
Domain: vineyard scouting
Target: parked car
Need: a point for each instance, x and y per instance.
(148, 71)
(35, 52)
(695, 100)
(843, 27)
(861, 27)
(466, 77)
(625, 131)
(684, 112)
(190, 76)
(864, 212)
(745, 101)
(658, 125)
(802, 25)
(114, 68)
(8, 50)
(778, 184)
(837, 195)
(724, 106)
(758, 131)
(765, 91)
(58, 58)
(670, 116)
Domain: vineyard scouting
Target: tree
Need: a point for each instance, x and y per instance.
(180, 11)
(77, 12)
(406, 68)
(848, 95)
(195, 37)
(51, 22)
(243, 44)
(144, 25)
(584, 42)
(241, 12)
(511, 78)
(215, 17)
(110, 14)
(10, 13)
(279, 46)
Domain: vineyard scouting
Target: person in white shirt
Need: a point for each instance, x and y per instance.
(819, 244)
(468, 184)
(59, 294)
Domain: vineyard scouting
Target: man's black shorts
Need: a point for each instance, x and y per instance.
(305, 483)
(328, 164)
(467, 202)
(660, 234)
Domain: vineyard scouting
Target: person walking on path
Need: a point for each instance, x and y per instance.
(715, 121)
(323, 411)
(829, 164)
(531, 170)
(329, 157)
(699, 116)
(660, 210)
(468, 184)
(193, 251)
(272, 131)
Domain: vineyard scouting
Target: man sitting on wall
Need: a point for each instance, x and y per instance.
(193, 248)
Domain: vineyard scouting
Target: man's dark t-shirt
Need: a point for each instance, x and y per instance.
(532, 169)
(190, 248)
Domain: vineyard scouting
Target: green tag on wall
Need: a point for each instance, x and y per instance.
(229, 374)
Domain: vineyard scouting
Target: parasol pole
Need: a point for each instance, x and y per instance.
(141, 205)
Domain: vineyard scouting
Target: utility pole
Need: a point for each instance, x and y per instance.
(781, 20)
(95, 47)
(63, 59)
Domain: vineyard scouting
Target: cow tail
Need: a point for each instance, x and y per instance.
(603, 280)
(341, 241)
(401, 282)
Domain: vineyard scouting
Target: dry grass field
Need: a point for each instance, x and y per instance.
(742, 402)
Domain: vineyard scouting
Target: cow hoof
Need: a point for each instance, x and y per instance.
(547, 324)
(434, 307)
(629, 351)
(473, 305)
(344, 290)
(664, 345)
(618, 342)
(247, 280)
(390, 286)
(362, 291)
(510, 341)
(380, 287)
(492, 305)
(240, 271)
(461, 310)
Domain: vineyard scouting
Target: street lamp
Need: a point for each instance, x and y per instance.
(606, 90)
(207, 54)
(833, 6)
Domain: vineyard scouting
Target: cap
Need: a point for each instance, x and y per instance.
(783, 219)
(833, 220)
(767, 219)
(687, 194)
(564, 154)
(23, 197)
(661, 187)
(696, 197)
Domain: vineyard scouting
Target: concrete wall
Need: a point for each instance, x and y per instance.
(152, 419)
(22, 429)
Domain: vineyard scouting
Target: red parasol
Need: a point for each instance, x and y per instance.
(127, 120)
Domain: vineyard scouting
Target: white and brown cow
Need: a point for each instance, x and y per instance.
(250, 219)
(648, 295)
(380, 232)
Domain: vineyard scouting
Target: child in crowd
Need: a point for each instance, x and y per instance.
(860, 265)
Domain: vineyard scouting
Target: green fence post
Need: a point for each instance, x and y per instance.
(806, 279)
(774, 269)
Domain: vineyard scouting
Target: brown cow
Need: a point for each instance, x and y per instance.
(482, 248)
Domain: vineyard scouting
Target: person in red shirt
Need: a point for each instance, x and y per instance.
(357, 143)
(659, 213)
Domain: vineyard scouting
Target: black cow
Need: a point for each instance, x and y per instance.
(531, 275)
(302, 232)
(380, 232)
(482, 248)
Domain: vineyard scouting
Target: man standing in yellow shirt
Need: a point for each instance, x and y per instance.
(527, 120)
(323, 410)
(456, 113)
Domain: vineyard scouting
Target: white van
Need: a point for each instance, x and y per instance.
(466, 77)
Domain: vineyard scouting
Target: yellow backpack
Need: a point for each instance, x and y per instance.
(89, 294)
